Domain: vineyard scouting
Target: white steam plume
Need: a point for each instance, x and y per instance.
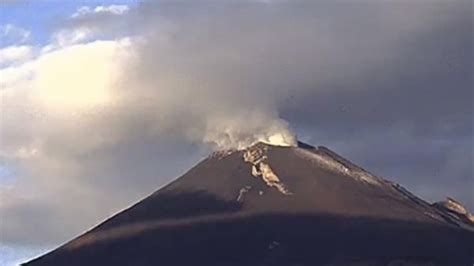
(246, 129)
(182, 83)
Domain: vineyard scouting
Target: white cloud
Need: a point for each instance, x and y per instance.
(78, 76)
(52, 93)
(89, 22)
(112, 9)
(46, 104)
(72, 36)
(15, 34)
(15, 54)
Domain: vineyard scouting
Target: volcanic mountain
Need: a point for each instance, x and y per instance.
(272, 205)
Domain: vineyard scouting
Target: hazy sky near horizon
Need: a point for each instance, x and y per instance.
(103, 102)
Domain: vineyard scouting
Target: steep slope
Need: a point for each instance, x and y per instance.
(270, 205)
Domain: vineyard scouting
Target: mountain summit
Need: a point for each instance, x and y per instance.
(271, 205)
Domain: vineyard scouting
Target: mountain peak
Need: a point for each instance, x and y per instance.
(272, 205)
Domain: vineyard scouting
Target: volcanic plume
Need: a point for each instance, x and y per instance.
(277, 205)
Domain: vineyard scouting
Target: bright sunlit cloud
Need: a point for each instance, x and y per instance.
(15, 54)
(78, 76)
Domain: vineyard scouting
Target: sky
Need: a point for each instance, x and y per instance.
(103, 102)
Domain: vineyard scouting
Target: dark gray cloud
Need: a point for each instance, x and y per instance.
(396, 76)
(410, 118)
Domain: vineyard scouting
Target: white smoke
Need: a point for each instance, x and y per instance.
(246, 129)
(180, 83)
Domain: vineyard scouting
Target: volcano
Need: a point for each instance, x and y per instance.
(273, 205)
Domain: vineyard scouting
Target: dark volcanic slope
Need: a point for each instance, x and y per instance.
(272, 205)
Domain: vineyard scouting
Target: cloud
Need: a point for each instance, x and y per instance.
(103, 122)
(13, 34)
(15, 54)
(88, 23)
(61, 111)
(58, 87)
(112, 9)
(44, 101)
(73, 36)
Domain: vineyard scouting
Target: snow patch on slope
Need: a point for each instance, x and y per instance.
(243, 191)
(450, 205)
(330, 160)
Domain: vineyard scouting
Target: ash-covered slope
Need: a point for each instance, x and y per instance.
(270, 205)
